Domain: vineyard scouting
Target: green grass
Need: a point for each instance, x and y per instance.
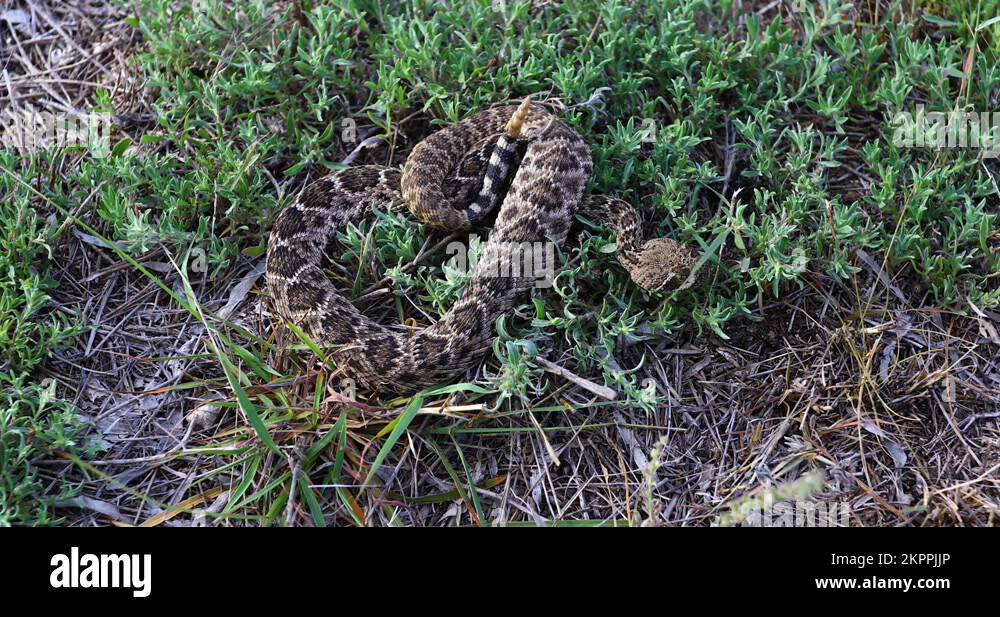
(239, 108)
(33, 422)
(248, 100)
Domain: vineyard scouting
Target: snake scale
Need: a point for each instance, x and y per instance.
(525, 161)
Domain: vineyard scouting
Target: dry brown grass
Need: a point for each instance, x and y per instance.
(898, 409)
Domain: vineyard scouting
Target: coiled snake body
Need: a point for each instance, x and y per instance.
(451, 181)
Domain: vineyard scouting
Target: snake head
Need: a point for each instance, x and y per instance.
(662, 265)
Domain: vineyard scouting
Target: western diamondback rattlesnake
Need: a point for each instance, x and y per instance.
(452, 180)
